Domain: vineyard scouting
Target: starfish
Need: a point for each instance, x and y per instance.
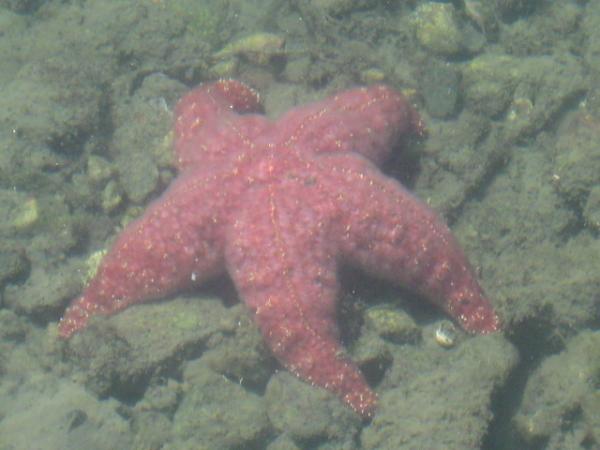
(278, 206)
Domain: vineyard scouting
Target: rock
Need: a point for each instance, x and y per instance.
(288, 401)
(283, 442)
(340, 7)
(590, 27)
(372, 75)
(297, 69)
(19, 212)
(437, 28)
(511, 9)
(591, 210)
(13, 263)
(258, 48)
(577, 160)
(591, 415)
(22, 6)
(58, 414)
(12, 328)
(53, 102)
(153, 430)
(459, 159)
(551, 28)
(161, 397)
(541, 84)
(217, 413)
(45, 220)
(393, 324)
(45, 292)
(137, 145)
(446, 406)
(440, 86)
(26, 215)
(124, 351)
(241, 355)
(488, 84)
(561, 385)
(99, 170)
(111, 197)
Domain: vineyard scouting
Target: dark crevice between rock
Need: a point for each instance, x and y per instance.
(535, 340)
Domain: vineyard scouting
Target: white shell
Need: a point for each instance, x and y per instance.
(445, 335)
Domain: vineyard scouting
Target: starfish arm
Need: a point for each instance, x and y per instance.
(367, 120)
(172, 245)
(387, 231)
(209, 122)
(283, 269)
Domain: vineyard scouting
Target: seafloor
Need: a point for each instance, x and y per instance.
(509, 92)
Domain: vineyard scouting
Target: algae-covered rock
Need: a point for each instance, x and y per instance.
(539, 86)
(18, 212)
(393, 324)
(339, 7)
(558, 388)
(111, 197)
(54, 101)
(241, 354)
(26, 215)
(489, 82)
(372, 75)
(437, 28)
(445, 399)
(283, 442)
(218, 413)
(46, 290)
(99, 169)
(553, 26)
(12, 327)
(125, 350)
(21, 6)
(461, 158)
(13, 263)
(510, 9)
(12, 25)
(52, 414)
(258, 48)
(440, 87)
(288, 399)
(591, 210)
(577, 160)
(590, 25)
(137, 144)
(207, 21)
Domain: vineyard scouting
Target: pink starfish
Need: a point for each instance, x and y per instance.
(278, 206)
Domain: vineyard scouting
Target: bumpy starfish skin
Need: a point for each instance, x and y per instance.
(278, 206)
